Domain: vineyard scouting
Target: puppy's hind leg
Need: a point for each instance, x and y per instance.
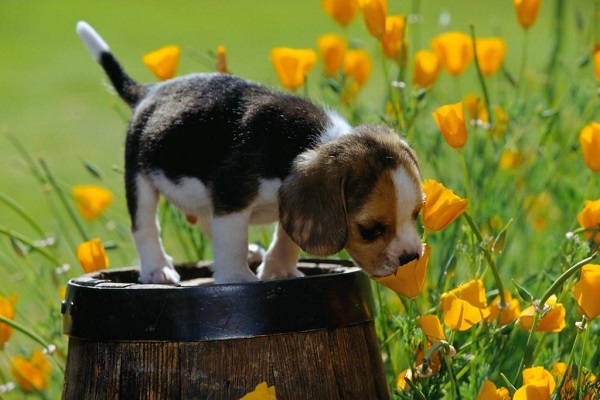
(156, 265)
(280, 260)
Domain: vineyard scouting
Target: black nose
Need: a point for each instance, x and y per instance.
(405, 258)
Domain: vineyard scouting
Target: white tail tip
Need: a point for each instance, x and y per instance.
(94, 43)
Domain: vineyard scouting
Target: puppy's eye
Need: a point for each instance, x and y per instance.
(371, 232)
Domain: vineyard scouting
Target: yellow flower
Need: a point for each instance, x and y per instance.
(441, 206)
(450, 120)
(426, 68)
(527, 11)
(490, 54)
(464, 306)
(261, 392)
(409, 279)
(342, 11)
(374, 13)
(92, 256)
(454, 50)
(589, 218)
(431, 327)
(163, 62)
(332, 48)
(509, 314)
(292, 65)
(489, 391)
(539, 209)
(566, 392)
(400, 379)
(596, 58)
(91, 200)
(7, 310)
(32, 374)
(392, 38)
(552, 321)
(537, 384)
(357, 67)
(587, 291)
(510, 159)
(590, 144)
(221, 60)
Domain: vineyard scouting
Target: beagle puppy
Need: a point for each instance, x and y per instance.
(228, 153)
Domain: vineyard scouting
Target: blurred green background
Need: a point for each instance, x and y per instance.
(54, 100)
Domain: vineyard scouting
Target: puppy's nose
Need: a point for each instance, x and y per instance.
(405, 258)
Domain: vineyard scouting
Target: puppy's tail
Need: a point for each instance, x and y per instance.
(128, 89)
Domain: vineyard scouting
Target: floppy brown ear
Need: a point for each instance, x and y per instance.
(312, 207)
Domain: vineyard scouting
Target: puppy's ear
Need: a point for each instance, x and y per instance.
(312, 207)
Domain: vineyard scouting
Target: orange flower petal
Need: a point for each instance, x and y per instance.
(509, 314)
(490, 392)
(357, 66)
(409, 279)
(7, 310)
(441, 206)
(490, 54)
(292, 65)
(332, 48)
(589, 138)
(450, 120)
(527, 11)
(589, 218)
(91, 200)
(342, 11)
(374, 13)
(552, 321)
(163, 62)
(92, 256)
(587, 291)
(426, 68)
(391, 40)
(454, 50)
(221, 60)
(31, 374)
(261, 392)
(431, 327)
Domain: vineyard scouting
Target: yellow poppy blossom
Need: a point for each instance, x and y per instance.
(527, 11)
(342, 11)
(392, 38)
(587, 291)
(402, 377)
(292, 65)
(489, 391)
(261, 392)
(454, 50)
(435, 362)
(490, 54)
(441, 206)
(409, 279)
(510, 160)
(559, 369)
(589, 218)
(7, 310)
(426, 68)
(552, 321)
(596, 59)
(537, 384)
(510, 312)
(332, 48)
(450, 120)
(163, 62)
(464, 306)
(91, 200)
(374, 13)
(589, 137)
(431, 327)
(221, 60)
(32, 374)
(357, 67)
(92, 256)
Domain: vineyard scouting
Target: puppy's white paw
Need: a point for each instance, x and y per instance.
(255, 254)
(267, 274)
(234, 276)
(166, 274)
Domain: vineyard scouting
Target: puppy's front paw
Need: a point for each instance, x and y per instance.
(166, 274)
(267, 274)
(234, 276)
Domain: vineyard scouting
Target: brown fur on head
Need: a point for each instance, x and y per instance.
(361, 192)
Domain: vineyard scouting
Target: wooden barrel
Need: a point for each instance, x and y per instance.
(310, 337)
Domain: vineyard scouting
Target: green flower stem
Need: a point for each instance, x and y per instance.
(418, 394)
(22, 213)
(529, 348)
(579, 382)
(524, 51)
(486, 96)
(489, 258)
(64, 200)
(463, 164)
(564, 277)
(8, 232)
(25, 331)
